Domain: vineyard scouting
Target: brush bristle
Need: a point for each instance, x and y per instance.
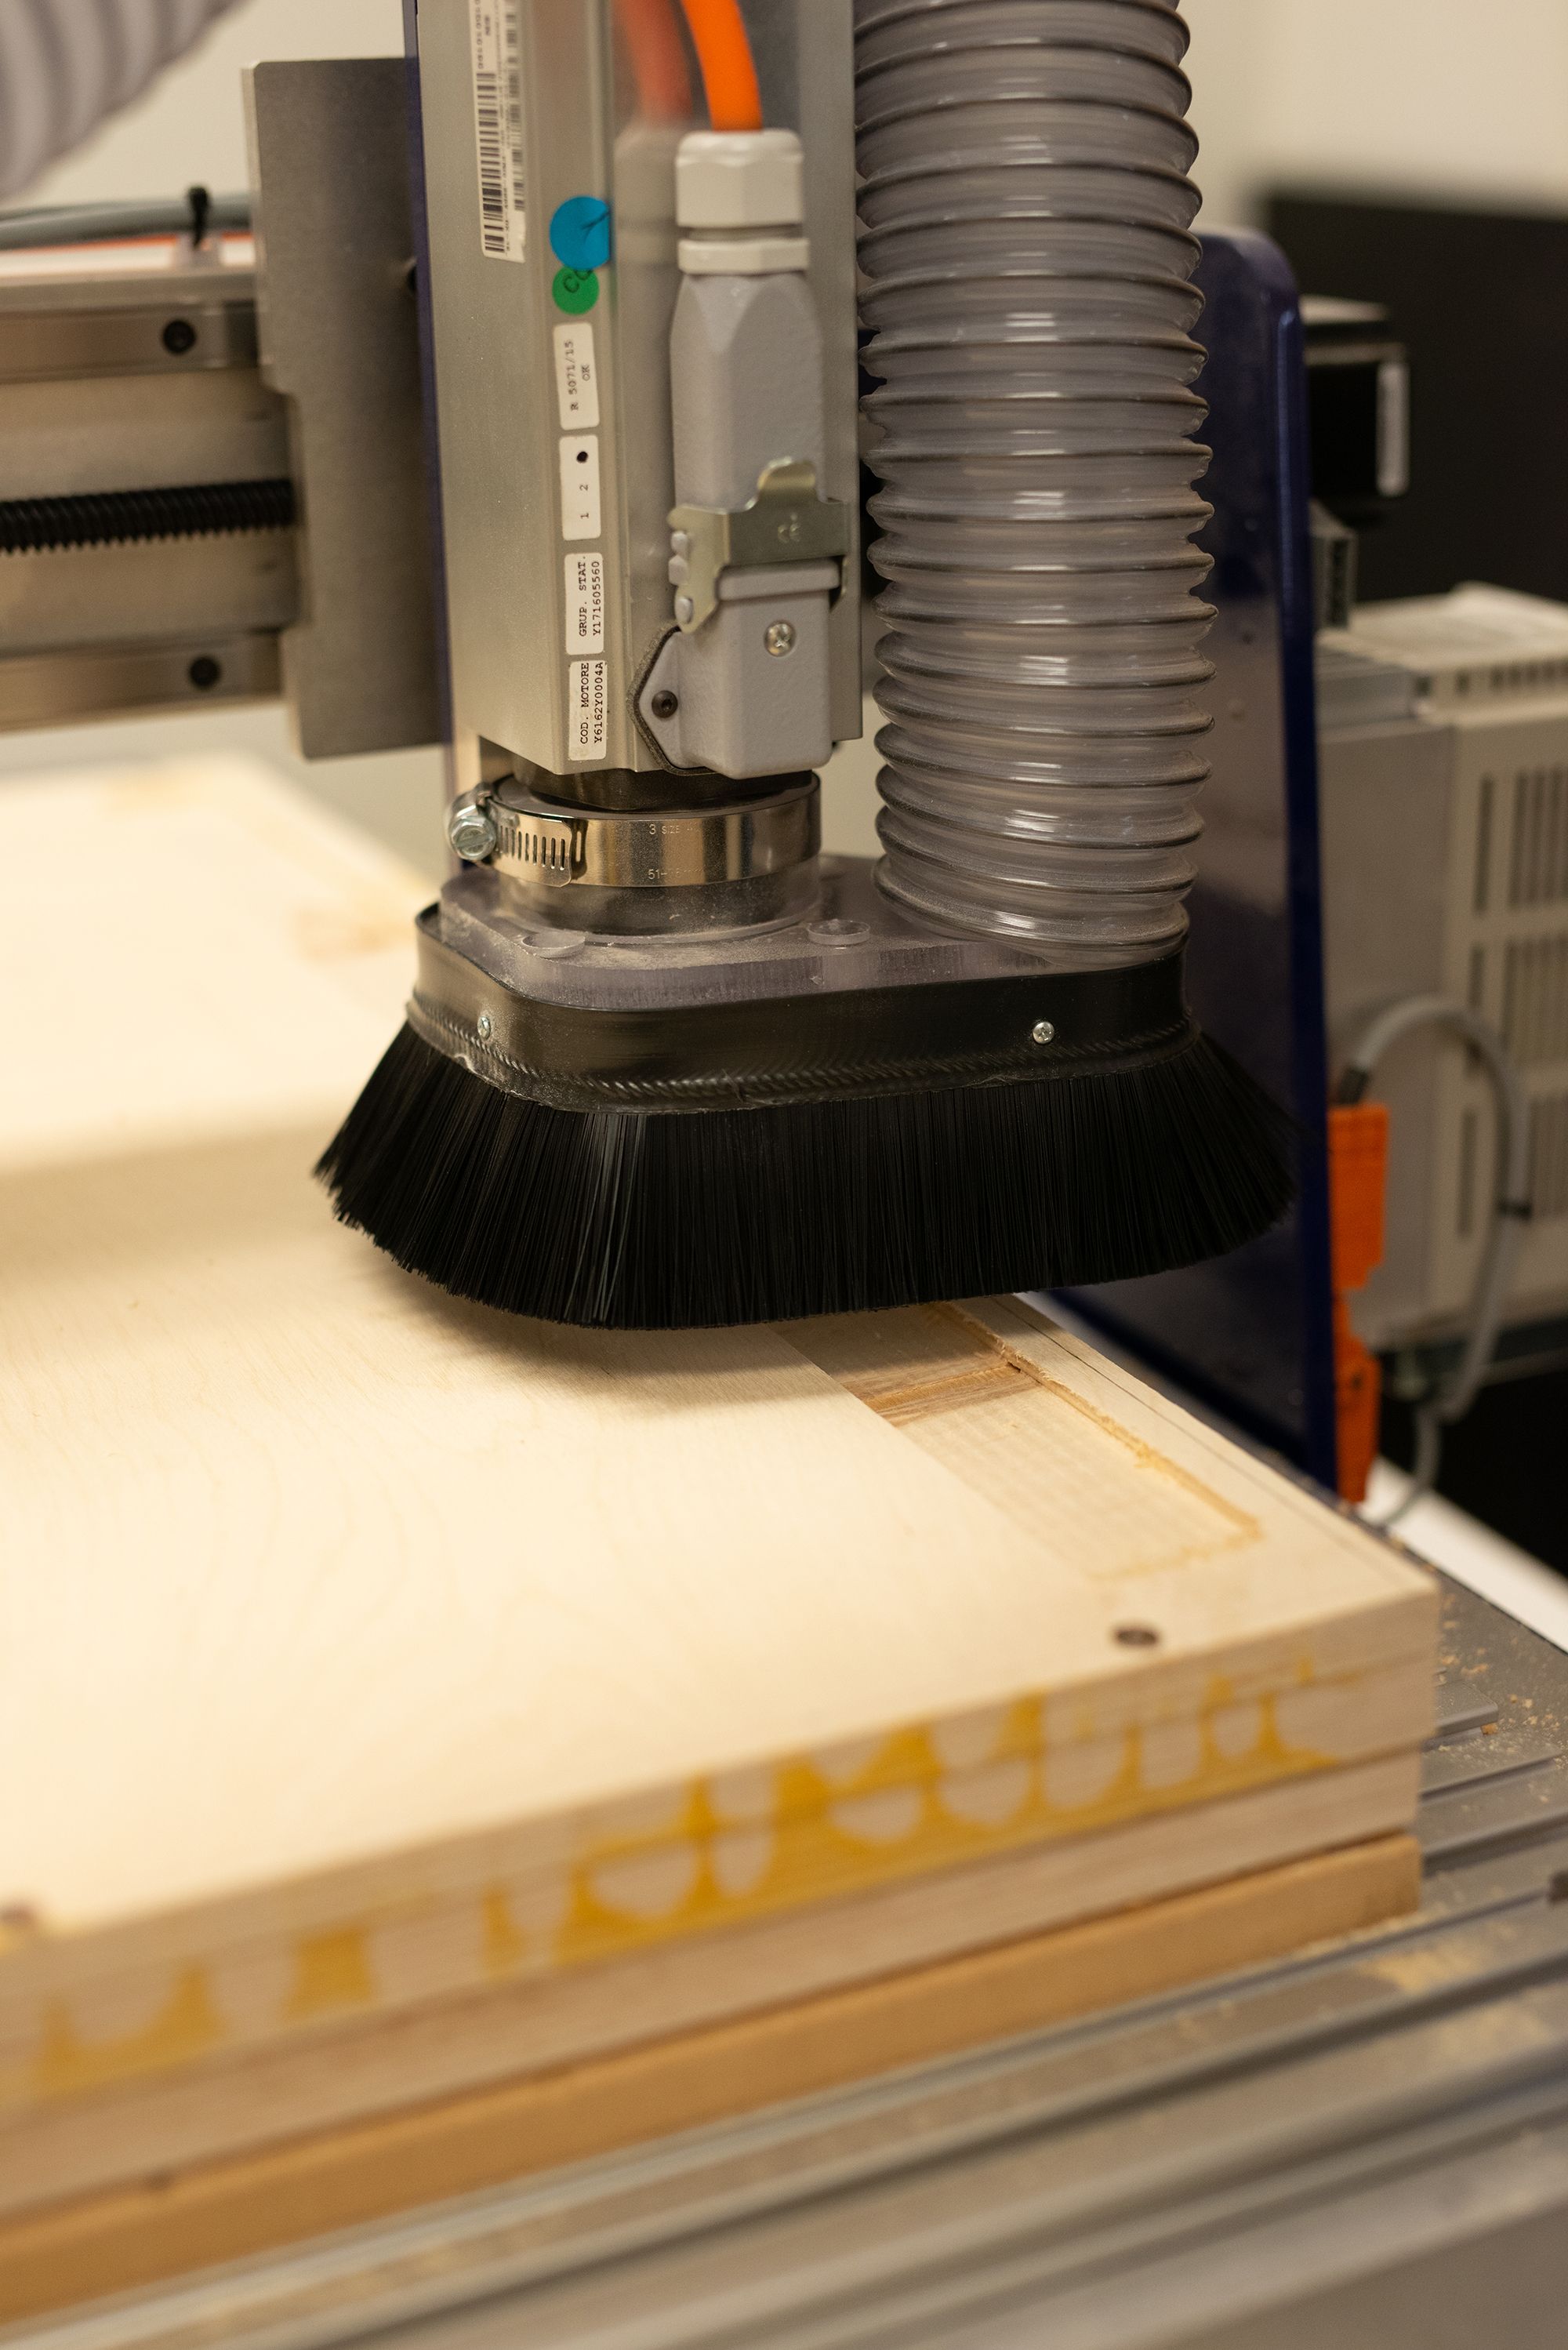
(621, 1219)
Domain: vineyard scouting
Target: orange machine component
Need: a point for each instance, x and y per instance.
(1357, 1181)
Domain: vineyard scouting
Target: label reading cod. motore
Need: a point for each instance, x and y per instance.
(588, 720)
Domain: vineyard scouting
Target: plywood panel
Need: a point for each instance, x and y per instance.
(475, 1571)
(362, 1651)
(402, 2013)
(210, 953)
(337, 2180)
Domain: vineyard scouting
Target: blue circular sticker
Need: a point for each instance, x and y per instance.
(580, 232)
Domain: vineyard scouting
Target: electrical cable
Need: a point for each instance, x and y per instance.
(108, 224)
(729, 72)
(66, 65)
(1450, 1401)
(658, 58)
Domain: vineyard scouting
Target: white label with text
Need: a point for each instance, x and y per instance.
(579, 485)
(588, 720)
(585, 603)
(577, 376)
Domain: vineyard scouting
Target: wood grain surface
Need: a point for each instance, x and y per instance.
(192, 2218)
(447, 2035)
(366, 1656)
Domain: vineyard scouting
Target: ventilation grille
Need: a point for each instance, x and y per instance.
(1483, 843)
(1538, 867)
(1507, 677)
(1535, 999)
(1469, 1131)
(1549, 1157)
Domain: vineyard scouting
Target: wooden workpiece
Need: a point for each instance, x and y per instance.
(190, 2216)
(400, 1704)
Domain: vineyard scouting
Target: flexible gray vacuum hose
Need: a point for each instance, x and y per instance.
(66, 65)
(1026, 256)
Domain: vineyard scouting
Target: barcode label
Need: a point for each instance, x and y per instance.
(497, 40)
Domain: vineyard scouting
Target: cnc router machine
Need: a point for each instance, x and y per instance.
(534, 426)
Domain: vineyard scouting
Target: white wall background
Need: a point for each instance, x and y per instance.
(1427, 98)
(191, 126)
(1430, 97)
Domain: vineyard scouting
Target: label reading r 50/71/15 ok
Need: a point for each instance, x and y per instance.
(496, 36)
(577, 375)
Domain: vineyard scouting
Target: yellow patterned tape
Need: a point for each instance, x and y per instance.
(188, 2027)
(921, 1756)
(900, 1816)
(825, 1843)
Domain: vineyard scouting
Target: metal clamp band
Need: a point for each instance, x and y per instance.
(657, 850)
(786, 522)
(651, 871)
(548, 849)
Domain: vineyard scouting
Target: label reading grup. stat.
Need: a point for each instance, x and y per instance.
(585, 603)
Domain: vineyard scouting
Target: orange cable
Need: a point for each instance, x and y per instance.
(658, 58)
(724, 54)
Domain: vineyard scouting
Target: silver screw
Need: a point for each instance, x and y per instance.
(779, 638)
(1043, 1032)
(471, 831)
(483, 1024)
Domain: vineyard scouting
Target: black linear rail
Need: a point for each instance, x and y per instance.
(119, 517)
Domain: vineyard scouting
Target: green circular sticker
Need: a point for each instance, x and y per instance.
(576, 289)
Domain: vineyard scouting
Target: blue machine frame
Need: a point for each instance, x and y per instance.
(1251, 1334)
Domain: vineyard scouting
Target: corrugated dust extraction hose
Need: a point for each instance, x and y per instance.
(1027, 258)
(66, 65)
